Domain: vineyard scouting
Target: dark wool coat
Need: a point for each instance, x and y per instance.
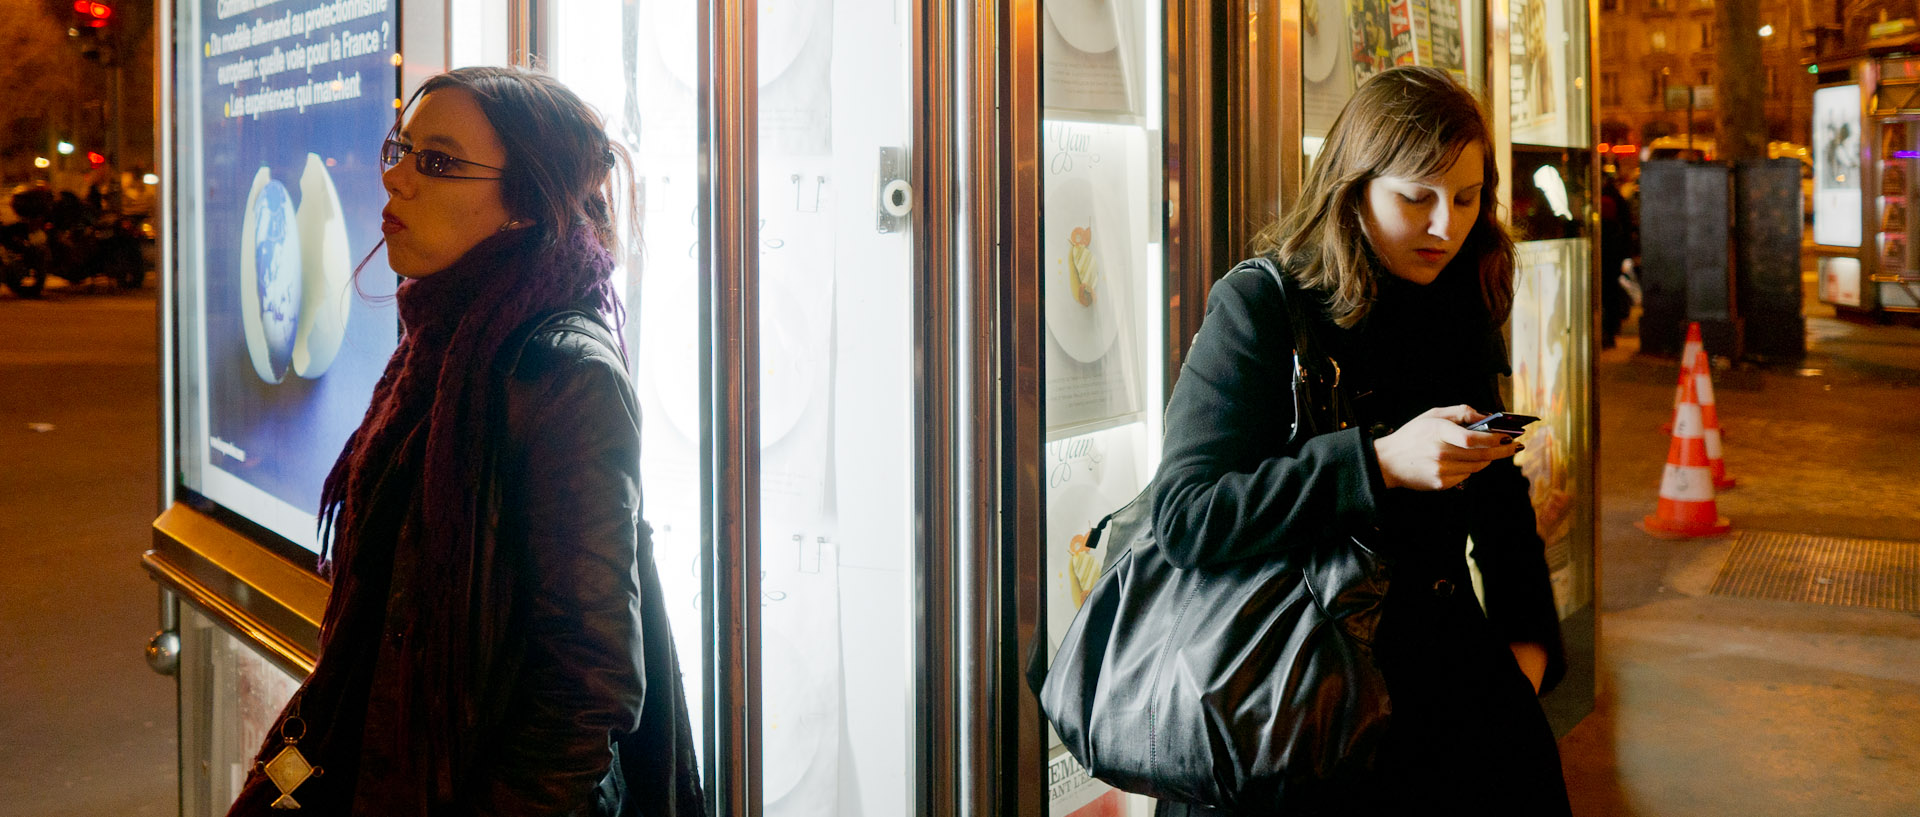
(1467, 732)
(584, 712)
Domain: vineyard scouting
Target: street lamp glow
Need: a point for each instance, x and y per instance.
(150, 179)
(42, 162)
(1766, 31)
(65, 148)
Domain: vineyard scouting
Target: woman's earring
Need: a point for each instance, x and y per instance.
(509, 225)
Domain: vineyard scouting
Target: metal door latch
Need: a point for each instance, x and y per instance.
(893, 193)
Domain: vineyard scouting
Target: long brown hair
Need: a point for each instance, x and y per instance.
(561, 169)
(1407, 122)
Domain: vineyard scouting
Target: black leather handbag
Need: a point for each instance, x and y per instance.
(1250, 684)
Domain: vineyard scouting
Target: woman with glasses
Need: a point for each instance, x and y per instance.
(494, 642)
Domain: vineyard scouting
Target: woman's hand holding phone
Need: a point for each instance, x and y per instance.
(1436, 451)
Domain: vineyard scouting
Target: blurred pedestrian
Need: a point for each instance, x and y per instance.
(1619, 242)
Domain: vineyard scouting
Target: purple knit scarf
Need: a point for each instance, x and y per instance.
(428, 420)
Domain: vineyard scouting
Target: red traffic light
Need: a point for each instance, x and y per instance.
(95, 159)
(98, 11)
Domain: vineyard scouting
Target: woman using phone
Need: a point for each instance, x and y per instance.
(494, 642)
(1395, 239)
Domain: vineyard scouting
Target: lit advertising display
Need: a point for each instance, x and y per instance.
(1836, 166)
(283, 106)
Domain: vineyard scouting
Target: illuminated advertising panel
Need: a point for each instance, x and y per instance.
(1836, 166)
(283, 105)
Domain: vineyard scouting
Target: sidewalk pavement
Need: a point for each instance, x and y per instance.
(85, 728)
(1712, 705)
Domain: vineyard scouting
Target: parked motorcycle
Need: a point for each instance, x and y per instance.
(57, 234)
(24, 244)
(88, 242)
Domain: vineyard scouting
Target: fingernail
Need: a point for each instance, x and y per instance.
(1519, 448)
(1506, 440)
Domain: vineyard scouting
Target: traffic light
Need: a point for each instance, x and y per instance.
(95, 159)
(89, 30)
(91, 14)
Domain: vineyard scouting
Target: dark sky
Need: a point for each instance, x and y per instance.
(48, 91)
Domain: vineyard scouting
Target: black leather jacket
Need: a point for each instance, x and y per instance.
(592, 717)
(577, 705)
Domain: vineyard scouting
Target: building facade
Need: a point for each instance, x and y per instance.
(1652, 51)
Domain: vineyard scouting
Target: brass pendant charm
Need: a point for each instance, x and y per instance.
(289, 769)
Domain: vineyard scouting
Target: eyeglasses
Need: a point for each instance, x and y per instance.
(431, 162)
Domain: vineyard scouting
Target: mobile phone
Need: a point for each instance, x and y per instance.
(1501, 422)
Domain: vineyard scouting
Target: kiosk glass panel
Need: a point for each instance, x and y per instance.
(634, 62)
(1103, 283)
(836, 465)
(229, 698)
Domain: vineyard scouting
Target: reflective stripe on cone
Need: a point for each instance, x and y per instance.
(1686, 506)
(1710, 422)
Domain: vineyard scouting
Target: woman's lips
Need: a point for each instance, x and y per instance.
(390, 225)
(1431, 256)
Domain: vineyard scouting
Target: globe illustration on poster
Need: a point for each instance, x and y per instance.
(276, 251)
(271, 279)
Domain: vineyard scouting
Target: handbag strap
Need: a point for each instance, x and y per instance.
(1319, 401)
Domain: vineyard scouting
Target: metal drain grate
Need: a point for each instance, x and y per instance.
(1823, 570)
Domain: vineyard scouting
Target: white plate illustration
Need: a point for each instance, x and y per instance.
(1320, 49)
(326, 269)
(270, 277)
(790, 356)
(798, 698)
(669, 353)
(784, 27)
(669, 340)
(1072, 509)
(1085, 325)
(1087, 25)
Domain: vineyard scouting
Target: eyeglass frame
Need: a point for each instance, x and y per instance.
(420, 161)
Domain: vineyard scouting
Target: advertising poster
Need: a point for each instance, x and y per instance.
(1087, 477)
(1091, 61)
(1370, 36)
(1408, 32)
(1071, 792)
(1840, 280)
(1094, 269)
(294, 101)
(1544, 380)
(1324, 57)
(1447, 37)
(1836, 166)
(1543, 72)
(1893, 252)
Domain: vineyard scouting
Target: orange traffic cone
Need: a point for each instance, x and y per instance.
(1686, 486)
(1694, 349)
(1709, 418)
